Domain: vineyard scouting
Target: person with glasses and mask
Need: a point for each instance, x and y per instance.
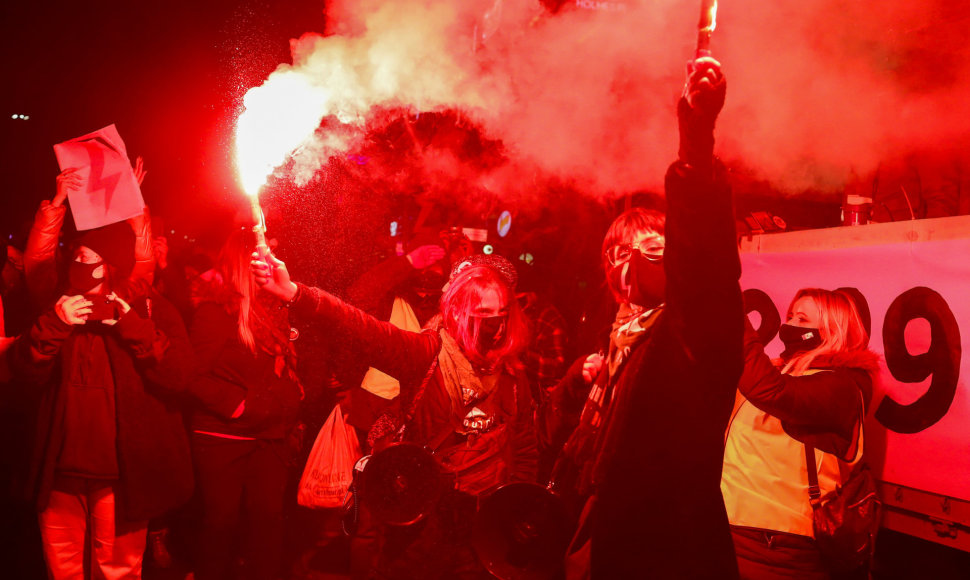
(643, 422)
(473, 408)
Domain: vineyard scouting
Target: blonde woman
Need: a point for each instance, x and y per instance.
(815, 394)
(250, 397)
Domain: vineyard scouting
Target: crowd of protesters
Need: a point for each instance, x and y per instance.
(156, 390)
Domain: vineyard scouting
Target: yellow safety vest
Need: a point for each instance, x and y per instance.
(383, 385)
(764, 480)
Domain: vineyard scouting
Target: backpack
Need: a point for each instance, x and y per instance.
(845, 520)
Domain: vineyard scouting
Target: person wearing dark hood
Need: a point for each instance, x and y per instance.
(468, 397)
(41, 255)
(111, 451)
(644, 422)
(415, 277)
(815, 394)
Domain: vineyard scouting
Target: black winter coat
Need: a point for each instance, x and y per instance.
(659, 511)
(227, 373)
(150, 362)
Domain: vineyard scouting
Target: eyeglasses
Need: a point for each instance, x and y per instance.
(621, 253)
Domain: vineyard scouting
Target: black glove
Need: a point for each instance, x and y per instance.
(697, 111)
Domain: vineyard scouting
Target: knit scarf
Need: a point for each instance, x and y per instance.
(461, 382)
(629, 328)
(632, 325)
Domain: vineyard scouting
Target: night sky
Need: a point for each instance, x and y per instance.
(170, 76)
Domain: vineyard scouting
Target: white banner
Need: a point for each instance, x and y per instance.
(915, 281)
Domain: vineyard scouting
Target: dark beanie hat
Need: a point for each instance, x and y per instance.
(115, 244)
(497, 263)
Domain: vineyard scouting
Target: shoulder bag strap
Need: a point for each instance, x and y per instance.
(814, 491)
(399, 436)
(440, 438)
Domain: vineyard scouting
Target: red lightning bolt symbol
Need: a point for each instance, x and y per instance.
(98, 180)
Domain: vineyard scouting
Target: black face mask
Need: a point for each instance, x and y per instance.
(81, 276)
(646, 279)
(425, 302)
(491, 332)
(798, 339)
(424, 293)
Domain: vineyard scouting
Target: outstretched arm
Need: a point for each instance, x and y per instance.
(825, 402)
(144, 268)
(401, 354)
(142, 227)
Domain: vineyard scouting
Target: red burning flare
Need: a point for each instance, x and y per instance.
(705, 28)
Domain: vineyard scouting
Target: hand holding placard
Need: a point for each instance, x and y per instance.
(108, 191)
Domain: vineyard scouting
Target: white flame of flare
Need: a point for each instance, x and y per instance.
(279, 116)
(711, 16)
(395, 62)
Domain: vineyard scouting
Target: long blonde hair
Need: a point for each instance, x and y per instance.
(840, 327)
(234, 267)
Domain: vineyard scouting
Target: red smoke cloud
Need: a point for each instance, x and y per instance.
(816, 88)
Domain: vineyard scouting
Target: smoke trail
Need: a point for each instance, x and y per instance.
(822, 87)
(405, 57)
(816, 88)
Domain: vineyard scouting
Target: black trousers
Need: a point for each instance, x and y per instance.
(242, 485)
(767, 555)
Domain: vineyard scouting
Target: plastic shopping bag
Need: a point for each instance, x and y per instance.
(330, 467)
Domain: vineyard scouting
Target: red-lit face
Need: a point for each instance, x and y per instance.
(804, 313)
(491, 304)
